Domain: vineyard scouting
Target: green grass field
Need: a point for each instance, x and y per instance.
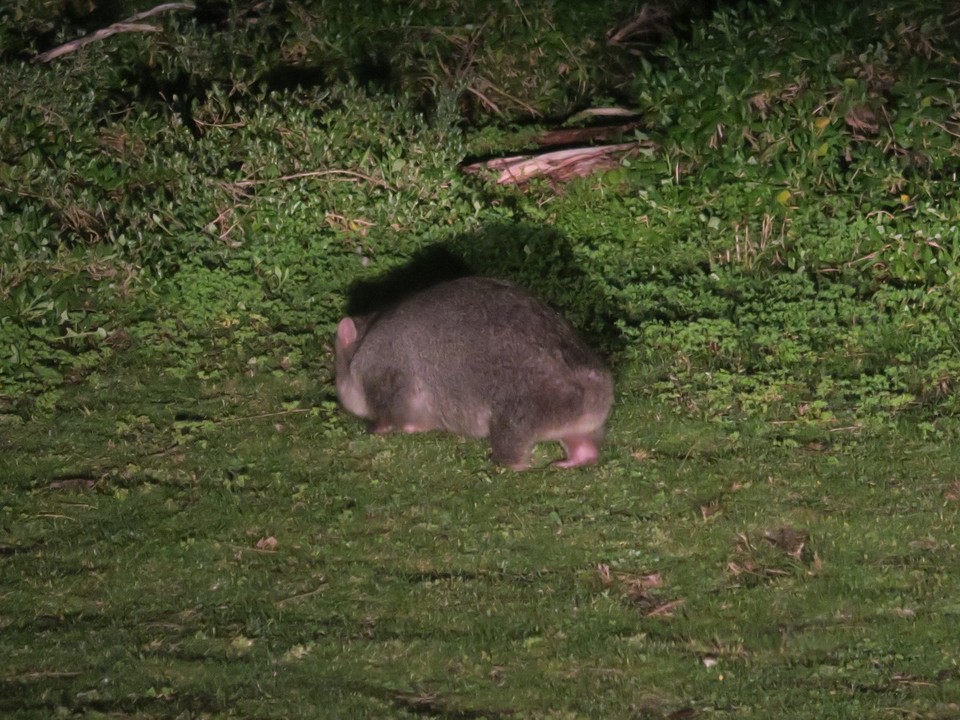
(190, 527)
(189, 549)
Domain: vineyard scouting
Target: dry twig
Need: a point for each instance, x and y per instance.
(349, 174)
(131, 24)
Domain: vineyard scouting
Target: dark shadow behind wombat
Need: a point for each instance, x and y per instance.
(428, 267)
(474, 356)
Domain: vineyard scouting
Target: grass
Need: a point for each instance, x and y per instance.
(188, 547)
(190, 527)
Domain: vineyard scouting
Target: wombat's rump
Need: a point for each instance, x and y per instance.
(477, 357)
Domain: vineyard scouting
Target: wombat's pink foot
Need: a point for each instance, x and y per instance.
(413, 428)
(382, 428)
(581, 450)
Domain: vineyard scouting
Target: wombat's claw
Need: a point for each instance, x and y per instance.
(580, 451)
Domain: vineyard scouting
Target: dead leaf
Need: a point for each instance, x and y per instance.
(708, 510)
(791, 540)
(268, 544)
(652, 580)
(861, 117)
(952, 493)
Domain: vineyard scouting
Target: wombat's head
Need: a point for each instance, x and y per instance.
(349, 387)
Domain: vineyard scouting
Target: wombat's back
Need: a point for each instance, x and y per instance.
(480, 325)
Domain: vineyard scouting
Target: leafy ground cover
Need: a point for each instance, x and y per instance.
(191, 528)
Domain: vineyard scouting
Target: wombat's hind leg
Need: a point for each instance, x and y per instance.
(511, 446)
(399, 404)
(380, 427)
(581, 450)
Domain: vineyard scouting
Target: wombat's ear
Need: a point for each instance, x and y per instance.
(346, 332)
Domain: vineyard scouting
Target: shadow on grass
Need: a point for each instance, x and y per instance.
(537, 258)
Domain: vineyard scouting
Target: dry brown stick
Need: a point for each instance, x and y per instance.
(315, 173)
(131, 24)
(161, 8)
(93, 37)
(39, 675)
(301, 596)
(487, 85)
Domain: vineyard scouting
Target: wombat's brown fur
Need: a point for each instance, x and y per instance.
(477, 357)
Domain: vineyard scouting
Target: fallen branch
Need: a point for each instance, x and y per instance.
(131, 24)
(558, 165)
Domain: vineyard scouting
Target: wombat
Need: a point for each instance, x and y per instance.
(477, 357)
